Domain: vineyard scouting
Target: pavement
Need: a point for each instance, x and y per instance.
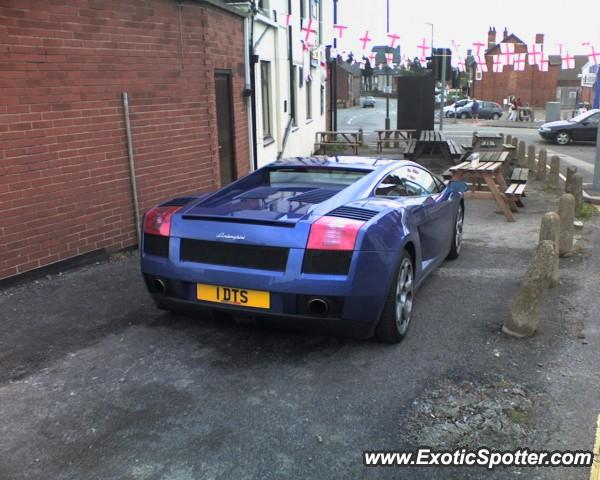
(96, 383)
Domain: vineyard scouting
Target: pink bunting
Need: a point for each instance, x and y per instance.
(567, 61)
(544, 62)
(478, 46)
(481, 64)
(508, 51)
(394, 38)
(309, 30)
(534, 54)
(593, 56)
(519, 61)
(498, 64)
(462, 66)
(365, 40)
(339, 30)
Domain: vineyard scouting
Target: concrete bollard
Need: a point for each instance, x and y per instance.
(541, 166)
(531, 162)
(569, 179)
(577, 190)
(554, 179)
(566, 212)
(524, 311)
(513, 156)
(521, 160)
(508, 140)
(550, 230)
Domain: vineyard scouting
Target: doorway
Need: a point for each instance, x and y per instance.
(224, 108)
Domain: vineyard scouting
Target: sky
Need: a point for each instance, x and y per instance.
(466, 22)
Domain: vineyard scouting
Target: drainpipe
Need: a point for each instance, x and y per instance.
(251, 81)
(291, 64)
(136, 206)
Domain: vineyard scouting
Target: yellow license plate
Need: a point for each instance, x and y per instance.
(233, 296)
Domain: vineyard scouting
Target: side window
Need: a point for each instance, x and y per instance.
(407, 182)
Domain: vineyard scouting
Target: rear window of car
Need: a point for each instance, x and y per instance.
(329, 176)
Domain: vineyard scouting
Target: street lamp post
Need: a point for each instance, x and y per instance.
(387, 93)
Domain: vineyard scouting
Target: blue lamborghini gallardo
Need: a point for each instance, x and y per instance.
(339, 240)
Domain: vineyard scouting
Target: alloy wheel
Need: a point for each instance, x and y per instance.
(404, 295)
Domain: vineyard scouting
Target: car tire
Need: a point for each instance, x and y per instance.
(397, 311)
(562, 138)
(464, 115)
(496, 116)
(457, 233)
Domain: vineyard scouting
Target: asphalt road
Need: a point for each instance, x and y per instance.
(581, 155)
(97, 384)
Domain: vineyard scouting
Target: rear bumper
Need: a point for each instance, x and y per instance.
(352, 328)
(356, 297)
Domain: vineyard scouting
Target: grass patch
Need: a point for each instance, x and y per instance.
(517, 416)
(586, 211)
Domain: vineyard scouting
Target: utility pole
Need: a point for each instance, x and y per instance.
(334, 75)
(596, 182)
(388, 88)
(443, 94)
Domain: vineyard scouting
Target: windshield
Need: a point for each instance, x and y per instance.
(582, 116)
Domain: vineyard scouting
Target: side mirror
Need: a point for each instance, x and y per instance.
(458, 186)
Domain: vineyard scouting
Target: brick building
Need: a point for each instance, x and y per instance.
(533, 86)
(65, 182)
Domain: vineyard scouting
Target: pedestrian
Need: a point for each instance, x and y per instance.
(513, 110)
(519, 112)
(475, 109)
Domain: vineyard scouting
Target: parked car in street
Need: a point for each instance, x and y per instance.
(487, 110)
(455, 106)
(337, 240)
(369, 102)
(583, 127)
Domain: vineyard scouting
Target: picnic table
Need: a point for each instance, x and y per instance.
(432, 141)
(491, 175)
(385, 137)
(487, 140)
(345, 139)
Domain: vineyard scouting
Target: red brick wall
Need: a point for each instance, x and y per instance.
(532, 86)
(64, 176)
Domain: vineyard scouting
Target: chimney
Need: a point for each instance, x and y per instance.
(505, 34)
(491, 38)
(539, 38)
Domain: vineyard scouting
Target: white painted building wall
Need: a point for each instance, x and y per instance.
(271, 45)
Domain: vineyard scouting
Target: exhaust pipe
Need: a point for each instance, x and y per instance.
(160, 286)
(318, 306)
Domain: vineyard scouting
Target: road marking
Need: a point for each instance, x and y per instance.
(595, 473)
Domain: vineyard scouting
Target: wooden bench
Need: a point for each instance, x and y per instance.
(456, 151)
(386, 137)
(518, 184)
(409, 150)
(344, 139)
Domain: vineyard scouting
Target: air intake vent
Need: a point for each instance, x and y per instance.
(234, 254)
(317, 195)
(178, 202)
(353, 212)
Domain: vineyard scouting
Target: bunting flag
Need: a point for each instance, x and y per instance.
(365, 40)
(308, 30)
(498, 64)
(508, 51)
(567, 61)
(393, 39)
(519, 62)
(534, 54)
(478, 46)
(593, 56)
(481, 64)
(544, 62)
(424, 52)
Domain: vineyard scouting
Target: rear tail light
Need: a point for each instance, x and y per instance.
(333, 233)
(158, 220)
